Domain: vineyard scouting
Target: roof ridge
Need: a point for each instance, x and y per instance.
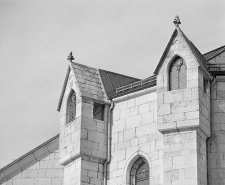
(194, 50)
(75, 63)
(214, 50)
(104, 70)
(28, 153)
(214, 53)
(120, 74)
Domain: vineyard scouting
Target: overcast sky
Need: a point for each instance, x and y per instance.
(126, 37)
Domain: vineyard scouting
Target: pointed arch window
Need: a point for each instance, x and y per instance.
(139, 173)
(178, 74)
(71, 108)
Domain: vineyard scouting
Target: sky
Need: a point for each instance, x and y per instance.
(124, 36)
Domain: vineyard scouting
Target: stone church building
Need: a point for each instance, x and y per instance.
(167, 129)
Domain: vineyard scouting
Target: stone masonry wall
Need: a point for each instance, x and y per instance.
(85, 170)
(185, 158)
(69, 144)
(134, 134)
(47, 171)
(217, 145)
(205, 129)
(180, 160)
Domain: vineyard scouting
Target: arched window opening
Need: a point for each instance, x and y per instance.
(139, 173)
(71, 110)
(178, 74)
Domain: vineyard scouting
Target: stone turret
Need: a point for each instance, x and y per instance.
(82, 145)
(183, 112)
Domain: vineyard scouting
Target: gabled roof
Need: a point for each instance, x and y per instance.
(89, 81)
(195, 51)
(192, 47)
(29, 159)
(112, 81)
(212, 54)
(95, 83)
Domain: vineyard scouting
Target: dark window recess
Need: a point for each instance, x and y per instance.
(205, 86)
(139, 174)
(98, 111)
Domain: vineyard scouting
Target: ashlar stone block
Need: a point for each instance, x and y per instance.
(173, 117)
(133, 121)
(144, 108)
(147, 117)
(164, 109)
(145, 129)
(118, 126)
(185, 161)
(119, 155)
(129, 134)
(152, 97)
(185, 106)
(131, 103)
(142, 99)
(134, 111)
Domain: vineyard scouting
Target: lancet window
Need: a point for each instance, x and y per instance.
(71, 109)
(178, 74)
(139, 173)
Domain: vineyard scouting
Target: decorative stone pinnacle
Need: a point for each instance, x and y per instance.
(70, 57)
(176, 21)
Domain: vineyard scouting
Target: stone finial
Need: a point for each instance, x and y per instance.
(70, 57)
(176, 21)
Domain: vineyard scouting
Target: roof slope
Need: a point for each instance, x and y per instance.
(212, 54)
(89, 81)
(63, 89)
(165, 52)
(194, 50)
(112, 81)
(28, 159)
(95, 83)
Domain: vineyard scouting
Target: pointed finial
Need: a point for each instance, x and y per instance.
(70, 57)
(176, 21)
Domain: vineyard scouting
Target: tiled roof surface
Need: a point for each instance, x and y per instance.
(212, 54)
(112, 81)
(89, 81)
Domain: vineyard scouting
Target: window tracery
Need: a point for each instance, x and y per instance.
(178, 75)
(140, 172)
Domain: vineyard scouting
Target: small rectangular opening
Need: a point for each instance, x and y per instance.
(206, 86)
(98, 111)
